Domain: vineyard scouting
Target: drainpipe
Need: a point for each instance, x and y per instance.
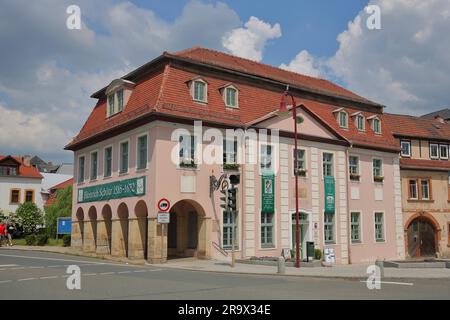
(241, 202)
(349, 240)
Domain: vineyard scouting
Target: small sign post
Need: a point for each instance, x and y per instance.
(163, 218)
(63, 226)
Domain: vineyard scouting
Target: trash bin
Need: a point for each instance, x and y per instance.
(309, 250)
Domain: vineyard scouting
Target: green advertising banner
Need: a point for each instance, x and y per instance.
(114, 190)
(329, 194)
(268, 194)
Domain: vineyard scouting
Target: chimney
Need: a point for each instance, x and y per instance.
(439, 118)
(26, 160)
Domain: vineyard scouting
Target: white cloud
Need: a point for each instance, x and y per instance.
(249, 42)
(303, 63)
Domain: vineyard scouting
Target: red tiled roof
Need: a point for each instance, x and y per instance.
(52, 198)
(410, 126)
(224, 60)
(24, 171)
(421, 164)
(166, 92)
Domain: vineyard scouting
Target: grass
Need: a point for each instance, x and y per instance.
(51, 242)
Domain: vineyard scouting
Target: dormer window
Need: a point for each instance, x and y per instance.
(118, 93)
(343, 119)
(360, 123)
(199, 90)
(231, 97)
(376, 125)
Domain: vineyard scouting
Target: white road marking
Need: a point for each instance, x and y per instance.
(18, 268)
(26, 279)
(122, 272)
(106, 273)
(5, 281)
(88, 274)
(140, 271)
(40, 267)
(390, 282)
(58, 266)
(8, 265)
(49, 277)
(154, 270)
(55, 259)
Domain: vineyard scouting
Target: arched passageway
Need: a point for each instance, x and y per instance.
(120, 232)
(90, 231)
(422, 234)
(77, 236)
(104, 229)
(138, 230)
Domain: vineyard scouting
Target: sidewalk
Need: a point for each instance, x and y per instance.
(353, 271)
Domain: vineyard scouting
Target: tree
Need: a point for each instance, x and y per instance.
(30, 216)
(62, 207)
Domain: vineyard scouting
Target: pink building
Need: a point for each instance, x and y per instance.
(128, 155)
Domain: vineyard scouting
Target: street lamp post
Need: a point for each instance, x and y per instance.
(283, 109)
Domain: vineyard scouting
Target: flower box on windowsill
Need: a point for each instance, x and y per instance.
(354, 177)
(300, 172)
(190, 164)
(378, 179)
(231, 166)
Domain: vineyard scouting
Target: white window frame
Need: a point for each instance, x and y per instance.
(274, 151)
(305, 162)
(205, 92)
(346, 119)
(104, 160)
(90, 166)
(360, 116)
(360, 241)
(383, 225)
(381, 169)
(191, 137)
(274, 232)
(446, 151)
(230, 226)
(225, 96)
(417, 189)
(233, 153)
(109, 111)
(119, 107)
(358, 166)
(437, 150)
(119, 169)
(84, 169)
(334, 241)
(138, 152)
(373, 125)
(409, 148)
(421, 189)
(333, 163)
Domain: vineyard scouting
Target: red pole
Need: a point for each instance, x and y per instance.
(297, 234)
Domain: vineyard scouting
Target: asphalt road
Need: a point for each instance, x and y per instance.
(38, 275)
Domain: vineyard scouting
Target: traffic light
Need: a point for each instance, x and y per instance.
(224, 199)
(231, 199)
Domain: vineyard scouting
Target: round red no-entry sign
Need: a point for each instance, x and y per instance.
(163, 205)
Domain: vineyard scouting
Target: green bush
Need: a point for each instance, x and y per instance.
(30, 240)
(66, 240)
(42, 239)
(317, 254)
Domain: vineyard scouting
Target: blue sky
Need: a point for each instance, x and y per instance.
(49, 72)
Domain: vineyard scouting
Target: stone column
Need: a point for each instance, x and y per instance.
(136, 238)
(76, 241)
(154, 254)
(89, 236)
(204, 238)
(119, 237)
(102, 237)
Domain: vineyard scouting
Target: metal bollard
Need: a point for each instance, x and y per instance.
(281, 265)
(380, 264)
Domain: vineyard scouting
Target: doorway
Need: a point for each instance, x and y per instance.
(421, 238)
(302, 230)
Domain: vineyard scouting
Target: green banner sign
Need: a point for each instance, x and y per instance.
(329, 194)
(114, 190)
(268, 193)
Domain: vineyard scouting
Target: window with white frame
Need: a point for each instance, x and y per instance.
(231, 95)
(329, 228)
(353, 167)
(443, 151)
(376, 125)
(119, 100)
(111, 104)
(227, 241)
(115, 102)
(142, 152)
(81, 169)
(355, 226)
(230, 151)
(94, 165)
(108, 162)
(199, 90)
(434, 151)
(124, 157)
(300, 166)
(343, 119)
(425, 189)
(405, 148)
(377, 168)
(360, 123)
(379, 226)
(267, 226)
(327, 164)
(187, 151)
(266, 157)
(413, 189)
